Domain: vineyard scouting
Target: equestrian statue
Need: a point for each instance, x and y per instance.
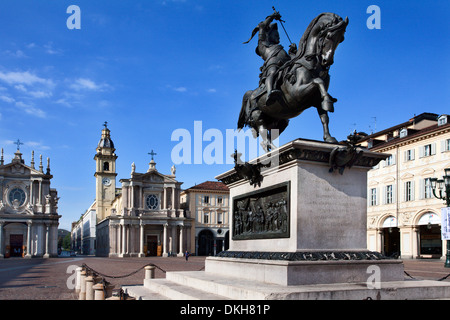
(291, 82)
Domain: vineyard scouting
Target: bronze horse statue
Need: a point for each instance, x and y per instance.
(291, 83)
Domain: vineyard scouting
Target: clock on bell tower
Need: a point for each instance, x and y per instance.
(105, 174)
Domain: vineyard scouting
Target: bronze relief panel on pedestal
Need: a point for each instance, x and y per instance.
(262, 214)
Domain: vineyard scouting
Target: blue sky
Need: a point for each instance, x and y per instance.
(150, 67)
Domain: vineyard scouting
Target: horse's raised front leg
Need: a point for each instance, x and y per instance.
(327, 100)
(326, 132)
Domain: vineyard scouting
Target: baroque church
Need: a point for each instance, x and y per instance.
(143, 217)
(28, 209)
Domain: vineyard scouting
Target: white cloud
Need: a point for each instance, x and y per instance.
(26, 78)
(88, 84)
(7, 99)
(50, 50)
(40, 94)
(180, 89)
(34, 93)
(20, 87)
(16, 54)
(177, 89)
(36, 145)
(212, 90)
(64, 102)
(31, 110)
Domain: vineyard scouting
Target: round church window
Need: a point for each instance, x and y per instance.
(152, 202)
(17, 197)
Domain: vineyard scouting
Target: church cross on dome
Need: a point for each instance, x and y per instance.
(152, 154)
(18, 143)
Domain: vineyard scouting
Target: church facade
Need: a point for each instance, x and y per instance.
(28, 209)
(143, 217)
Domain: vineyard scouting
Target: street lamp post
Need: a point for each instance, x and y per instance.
(443, 186)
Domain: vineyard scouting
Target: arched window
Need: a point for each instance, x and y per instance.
(106, 166)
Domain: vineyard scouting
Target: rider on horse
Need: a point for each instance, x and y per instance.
(273, 54)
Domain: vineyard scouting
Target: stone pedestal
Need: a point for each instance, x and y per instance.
(305, 222)
(299, 233)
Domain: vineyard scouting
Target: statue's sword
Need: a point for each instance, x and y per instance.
(281, 22)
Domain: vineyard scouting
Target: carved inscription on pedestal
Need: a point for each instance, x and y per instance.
(263, 214)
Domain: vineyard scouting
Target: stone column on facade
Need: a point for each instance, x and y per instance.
(164, 244)
(128, 233)
(47, 238)
(28, 255)
(141, 240)
(124, 239)
(129, 239)
(118, 239)
(54, 239)
(380, 240)
(173, 198)
(180, 253)
(165, 198)
(31, 201)
(40, 240)
(141, 197)
(121, 239)
(125, 198)
(415, 243)
(40, 196)
(132, 196)
(111, 244)
(1, 240)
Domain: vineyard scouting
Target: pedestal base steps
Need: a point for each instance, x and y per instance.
(201, 285)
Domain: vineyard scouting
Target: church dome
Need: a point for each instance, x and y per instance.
(106, 142)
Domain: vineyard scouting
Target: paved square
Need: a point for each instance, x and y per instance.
(46, 279)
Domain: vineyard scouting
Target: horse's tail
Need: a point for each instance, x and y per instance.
(242, 121)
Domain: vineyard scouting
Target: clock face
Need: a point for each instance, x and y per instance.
(106, 181)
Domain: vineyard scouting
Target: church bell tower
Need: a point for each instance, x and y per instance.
(105, 174)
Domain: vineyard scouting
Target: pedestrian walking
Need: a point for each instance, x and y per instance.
(186, 254)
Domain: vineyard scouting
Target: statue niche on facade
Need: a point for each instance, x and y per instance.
(291, 82)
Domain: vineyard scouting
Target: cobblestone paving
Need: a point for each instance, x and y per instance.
(47, 279)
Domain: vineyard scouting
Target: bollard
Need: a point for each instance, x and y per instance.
(149, 272)
(78, 282)
(97, 279)
(109, 290)
(82, 295)
(89, 288)
(98, 292)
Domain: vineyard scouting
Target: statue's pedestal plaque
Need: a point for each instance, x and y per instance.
(306, 222)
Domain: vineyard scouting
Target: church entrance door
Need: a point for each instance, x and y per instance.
(16, 245)
(152, 246)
